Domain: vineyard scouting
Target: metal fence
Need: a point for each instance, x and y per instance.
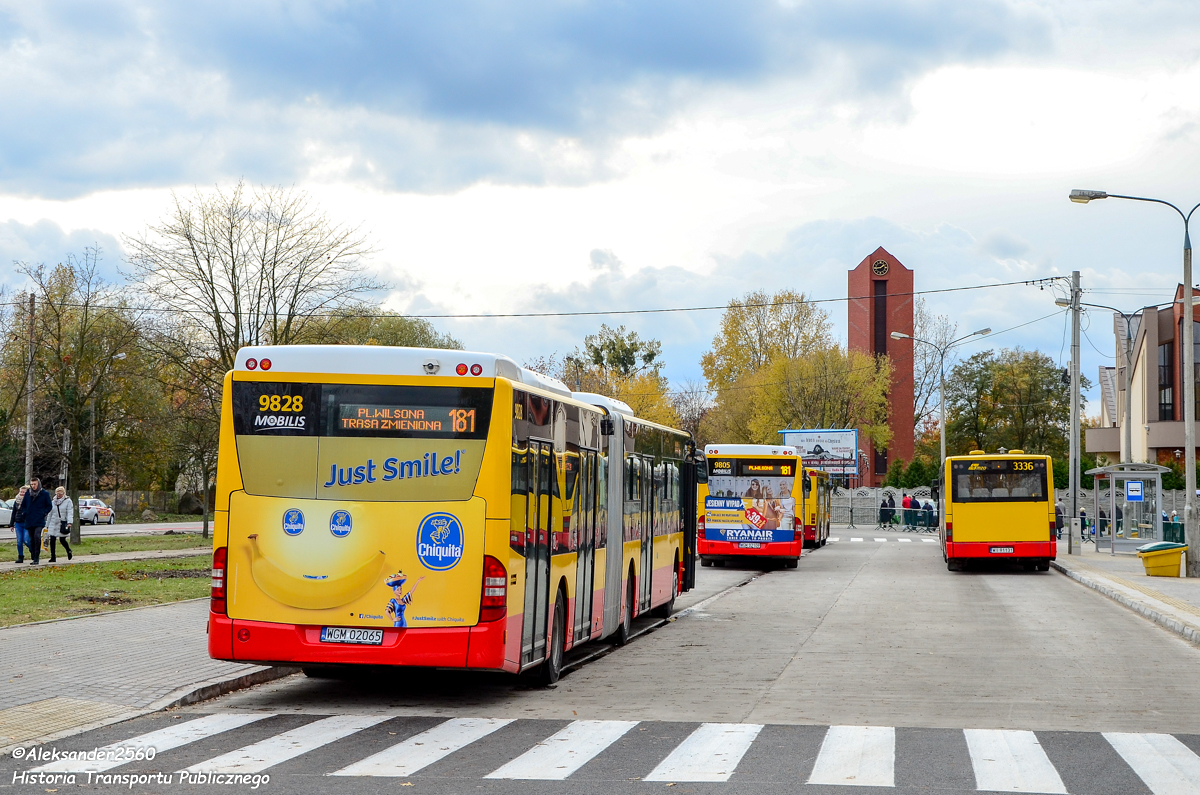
(860, 507)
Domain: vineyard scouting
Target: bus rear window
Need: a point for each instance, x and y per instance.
(999, 481)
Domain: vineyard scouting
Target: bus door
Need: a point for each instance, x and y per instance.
(542, 473)
(647, 473)
(691, 472)
(585, 524)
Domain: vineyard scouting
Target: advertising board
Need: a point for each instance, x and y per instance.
(833, 451)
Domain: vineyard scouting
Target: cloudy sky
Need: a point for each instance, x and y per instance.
(575, 155)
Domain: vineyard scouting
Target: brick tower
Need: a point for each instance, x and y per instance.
(881, 301)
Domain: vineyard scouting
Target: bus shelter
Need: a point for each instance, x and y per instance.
(1132, 512)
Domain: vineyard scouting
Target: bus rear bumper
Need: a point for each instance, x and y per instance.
(721, 550)
(996, 550)
(481, 646)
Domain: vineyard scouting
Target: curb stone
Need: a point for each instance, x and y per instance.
(184, 696)
(1184, 630)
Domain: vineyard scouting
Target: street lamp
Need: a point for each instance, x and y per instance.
(1189, 369)
(942, 349)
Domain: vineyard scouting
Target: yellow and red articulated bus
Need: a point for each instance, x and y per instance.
(998, 506)
(817, 501)
(414, 507)
(750, 505)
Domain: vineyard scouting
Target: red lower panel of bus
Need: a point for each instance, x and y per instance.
(481, 646)
(1000, 549)
(782, 549)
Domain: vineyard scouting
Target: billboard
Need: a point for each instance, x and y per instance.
(834, 451)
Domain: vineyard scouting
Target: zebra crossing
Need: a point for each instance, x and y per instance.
(392, 747)
(878, 540)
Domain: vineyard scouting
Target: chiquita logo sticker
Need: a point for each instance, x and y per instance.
(293, 521)
(340, 523)
(440, 541)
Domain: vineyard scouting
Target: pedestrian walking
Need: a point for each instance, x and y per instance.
(18, 523)
(37, 506)
(891, 508)
(1059, 510)
(62, 516)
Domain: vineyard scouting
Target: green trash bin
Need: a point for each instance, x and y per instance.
(1173, 532)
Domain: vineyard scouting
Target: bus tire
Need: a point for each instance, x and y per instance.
(1043, 565)
(706, 562)
(791, 564)
(665, 610)
(552, 669)
(324, 672)
(953, 565)
(625, 631)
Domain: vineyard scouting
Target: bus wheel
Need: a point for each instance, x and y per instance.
(625, 631)
(953, 565)
(664, 611)
(1043, 565)
(552, 669)
(324, 672)
(791, 564)
(706, 562)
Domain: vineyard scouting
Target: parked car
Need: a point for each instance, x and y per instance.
(6, 510)
(94, 511)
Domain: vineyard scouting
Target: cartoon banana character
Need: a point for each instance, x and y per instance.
(312, 593)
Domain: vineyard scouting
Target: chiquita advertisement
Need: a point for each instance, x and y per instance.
(376, 564)
(750, 507)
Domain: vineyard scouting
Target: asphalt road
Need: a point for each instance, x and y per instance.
(868, 666)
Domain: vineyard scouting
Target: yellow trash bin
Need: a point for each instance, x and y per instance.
(1162, 559)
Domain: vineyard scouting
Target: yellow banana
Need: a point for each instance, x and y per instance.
(312, 594)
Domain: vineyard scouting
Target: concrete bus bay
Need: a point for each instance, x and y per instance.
(860, 634)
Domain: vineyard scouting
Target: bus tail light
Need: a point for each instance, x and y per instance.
(949, 530)
(217, 594)
(700, 528)
(1053, 529)
(493, 605)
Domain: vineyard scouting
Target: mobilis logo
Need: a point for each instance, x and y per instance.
(271, 422)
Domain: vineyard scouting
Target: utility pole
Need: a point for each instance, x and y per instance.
(1074, 544)
(1191, 530)
(92, 447)
(29, 401)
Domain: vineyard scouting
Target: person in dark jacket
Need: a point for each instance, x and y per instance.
(18, 523)
(37, 505)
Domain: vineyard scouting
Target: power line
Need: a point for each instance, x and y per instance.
(351, 315)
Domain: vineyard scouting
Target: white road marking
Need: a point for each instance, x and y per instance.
(711, 753)
(1011, 761)
(881, 540)
(564, 752)
(422, 750)
(857, 756)
(275, 750)
(834, 538)
(929, 540)
(856, 539)
(904, 540)
(165, 739)
(1167, 766)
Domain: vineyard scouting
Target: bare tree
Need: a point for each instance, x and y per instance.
(246, 267)
(938, 330)
(692, 402)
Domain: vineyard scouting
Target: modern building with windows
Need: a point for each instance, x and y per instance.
(1154, 384)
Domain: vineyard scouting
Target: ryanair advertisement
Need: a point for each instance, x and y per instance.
(750, 500)
(358, 506)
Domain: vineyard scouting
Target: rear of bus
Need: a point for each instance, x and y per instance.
(361, 512)
(815, 493)
(998, 507)
(751, 509)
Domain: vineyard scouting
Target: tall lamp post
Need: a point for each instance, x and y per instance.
(942, 350)
(1189, 371)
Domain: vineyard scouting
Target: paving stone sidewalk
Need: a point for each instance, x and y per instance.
(1172, 602)
(61, 677)
(146, 554)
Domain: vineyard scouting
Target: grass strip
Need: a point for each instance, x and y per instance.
(40, 593)
(96, 545)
